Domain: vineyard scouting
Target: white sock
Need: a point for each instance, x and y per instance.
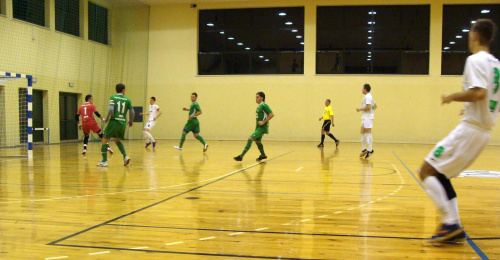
(363, 141)
(436, 191)
(453, 204)
(369, 141)
(146, 136)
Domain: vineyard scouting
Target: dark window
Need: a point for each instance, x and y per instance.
(68, 16)
(373, 39)
(457, 21)
(98, 23)
(251, 41)
(32, 11)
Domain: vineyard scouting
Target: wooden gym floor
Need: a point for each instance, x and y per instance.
(302, 203)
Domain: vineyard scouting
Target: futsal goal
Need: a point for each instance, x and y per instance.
(16, 123)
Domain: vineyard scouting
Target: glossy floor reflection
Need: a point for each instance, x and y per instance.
(302, 203)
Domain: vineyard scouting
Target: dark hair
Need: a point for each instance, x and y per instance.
(486, 29)
(87, 97)
(367, 87)
(329, 100)
(153, 98)
(194, 93)
(260, 93)
(120, 87)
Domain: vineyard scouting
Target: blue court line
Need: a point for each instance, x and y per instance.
(469, 240)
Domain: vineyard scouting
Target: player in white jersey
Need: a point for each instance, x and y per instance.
(154, 113)
(367, 116)
(462, 146)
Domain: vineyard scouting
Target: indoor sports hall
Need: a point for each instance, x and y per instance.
(300, 202)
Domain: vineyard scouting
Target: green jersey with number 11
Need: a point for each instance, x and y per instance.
(122, 104)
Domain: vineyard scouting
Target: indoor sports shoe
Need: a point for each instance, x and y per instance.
(447, 233)
(363, 153)
(102, 164)
(238, 158)
(148, 144)
(205, 147)
(320, 145)
(154, 144)
(126, 161)
(458, 239)
(368, 154)
(337, 143)
(109, 150)
(178, 148)
(261, 158)
(84, 151)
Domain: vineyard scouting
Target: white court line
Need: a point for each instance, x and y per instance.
(260, 229)
(56, 257)
(142, 247)
(99, 253)
(206, 238)
(235, 234)
(299, 169)
(174, 243)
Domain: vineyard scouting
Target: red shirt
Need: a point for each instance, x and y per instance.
(87, 112)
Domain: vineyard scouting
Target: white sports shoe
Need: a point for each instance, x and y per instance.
(102, 164)
(178, 148)
(84, 151)
(205, 148)
(126, 161)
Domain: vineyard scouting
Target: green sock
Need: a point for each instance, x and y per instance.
(183, 137)
(261, 149)
(122, 148)
(104, 152)
(249, 144)
(201, 139)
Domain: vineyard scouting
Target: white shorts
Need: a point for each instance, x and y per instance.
(149, 125)
(456, 152)
(366, 123)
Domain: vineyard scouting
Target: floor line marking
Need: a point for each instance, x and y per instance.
(206, 238)
(99, 253)
(174, 243)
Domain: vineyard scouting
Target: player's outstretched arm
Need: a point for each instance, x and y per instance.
(471, 95)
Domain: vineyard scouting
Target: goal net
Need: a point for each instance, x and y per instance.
(15, 115)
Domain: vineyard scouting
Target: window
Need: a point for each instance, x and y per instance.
(251, 41)
(32, 11)
(98, 23)
(457, 21)
(68, 16)
(373, 39)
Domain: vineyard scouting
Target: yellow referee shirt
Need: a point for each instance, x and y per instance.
(328, 113)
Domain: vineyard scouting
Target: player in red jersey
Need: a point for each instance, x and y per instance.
(87, 111)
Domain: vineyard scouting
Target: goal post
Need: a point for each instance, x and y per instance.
(16, 145)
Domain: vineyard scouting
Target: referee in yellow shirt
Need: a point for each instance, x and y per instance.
(328, 121)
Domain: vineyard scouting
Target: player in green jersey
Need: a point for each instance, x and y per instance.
(263, 114)
(192, 124)
(119, 104)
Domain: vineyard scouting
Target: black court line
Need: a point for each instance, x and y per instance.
(269, 232)
(192, 253)
(161, 201)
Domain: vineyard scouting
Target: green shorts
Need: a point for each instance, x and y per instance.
(115, 129)
(257, 135)
(192, 125)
